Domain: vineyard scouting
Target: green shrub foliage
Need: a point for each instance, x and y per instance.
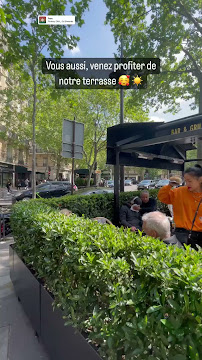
(135, 297)
(99, 205)
(83, 182)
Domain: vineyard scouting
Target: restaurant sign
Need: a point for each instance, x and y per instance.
(186, 128)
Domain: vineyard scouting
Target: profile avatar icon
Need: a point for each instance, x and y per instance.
(42, 19)
(124, 80)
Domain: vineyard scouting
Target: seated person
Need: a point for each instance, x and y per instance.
(157, 225)
(148, 204)
(65, 212)
(102, 220)
(130, 214)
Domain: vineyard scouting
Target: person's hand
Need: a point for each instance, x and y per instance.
(135, 207)
(133, 228)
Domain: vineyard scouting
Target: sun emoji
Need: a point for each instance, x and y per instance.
(137, 80)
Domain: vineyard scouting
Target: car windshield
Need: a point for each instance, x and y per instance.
(60, 183)
(44, 188)
(166, 181)
(145, 182)
(110, 182)
(41, 186)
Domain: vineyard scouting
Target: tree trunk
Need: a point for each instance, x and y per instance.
(90, 174)
(121, 168)
(95, 155)
(95, 175)
(58, 166)
(199, 144)
(34, 135)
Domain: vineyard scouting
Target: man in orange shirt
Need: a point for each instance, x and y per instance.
(187, 206)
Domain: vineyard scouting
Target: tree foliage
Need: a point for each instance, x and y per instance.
(166, 29)
(24, 40)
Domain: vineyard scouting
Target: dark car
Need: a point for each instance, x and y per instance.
(146, 184)
(92, 191)
(64, 183)
(134, 181)
(162, 183)
(110, 183)
(128, 182)
(46, 190)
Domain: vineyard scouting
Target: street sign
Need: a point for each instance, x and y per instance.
(72, 139)
(67, 151)
(72, 142)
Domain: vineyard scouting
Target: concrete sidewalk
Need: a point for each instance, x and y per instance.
(4, 195)
(17, 338)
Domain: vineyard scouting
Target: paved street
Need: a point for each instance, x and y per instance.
(17, 338)
(130, 188)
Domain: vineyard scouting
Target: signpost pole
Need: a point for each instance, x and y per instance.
(121, 122)
(73, 154)
(116, 188)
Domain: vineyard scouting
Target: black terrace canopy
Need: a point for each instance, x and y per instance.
(152, 145)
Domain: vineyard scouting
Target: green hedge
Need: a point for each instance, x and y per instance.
(135, 297)
(83, 182)
(98, 205)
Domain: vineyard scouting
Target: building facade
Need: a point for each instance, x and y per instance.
(16, 162)
(46, 167)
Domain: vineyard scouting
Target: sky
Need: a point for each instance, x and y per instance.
(97, 40)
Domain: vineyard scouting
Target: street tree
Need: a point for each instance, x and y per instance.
(16, 112)
(53, 108)
(25, 40)
(171, 30)
(99, 109)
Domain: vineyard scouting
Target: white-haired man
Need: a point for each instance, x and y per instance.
(157, 225)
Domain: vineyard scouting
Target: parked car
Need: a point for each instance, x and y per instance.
(134, 181)
(65, 183)
(110, 183)
(128, 182)
(97, 191)
(46, 190)
(146, 184)
(161, 183)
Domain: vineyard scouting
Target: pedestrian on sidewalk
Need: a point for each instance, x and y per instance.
(8, 185)
(26, 184)
(19, 184)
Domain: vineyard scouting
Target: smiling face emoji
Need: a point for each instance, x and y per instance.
(124, 80)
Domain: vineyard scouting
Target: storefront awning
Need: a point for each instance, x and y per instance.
(20, 169)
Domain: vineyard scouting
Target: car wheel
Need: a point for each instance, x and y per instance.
(26, 199)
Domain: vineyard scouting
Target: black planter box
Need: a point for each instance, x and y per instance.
(61, 342)
(27, 289)
(11, 263)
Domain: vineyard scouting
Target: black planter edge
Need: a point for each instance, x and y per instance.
(85, 347)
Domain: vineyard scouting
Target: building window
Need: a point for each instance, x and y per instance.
(45, 161)
(9, 153)
(20, 157)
